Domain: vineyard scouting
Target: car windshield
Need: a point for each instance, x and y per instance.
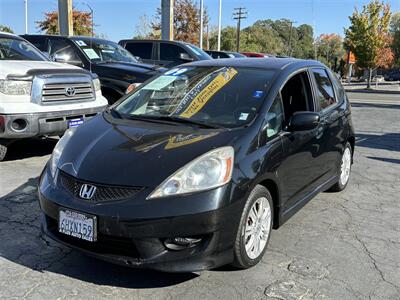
(104, 51)
(15, 49)
(201, 54)
(218, 96)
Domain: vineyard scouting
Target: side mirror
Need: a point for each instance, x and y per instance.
(303, 120)
(185, 57)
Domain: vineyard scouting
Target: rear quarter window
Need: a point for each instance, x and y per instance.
(142, 50)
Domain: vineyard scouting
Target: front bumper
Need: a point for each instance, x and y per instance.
(138, 241)
(45, 123)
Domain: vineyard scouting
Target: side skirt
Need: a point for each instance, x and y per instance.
(288, 213)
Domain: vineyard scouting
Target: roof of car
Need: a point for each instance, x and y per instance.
(75, 37)
(153, 40)
(9, 35)
(261, 63)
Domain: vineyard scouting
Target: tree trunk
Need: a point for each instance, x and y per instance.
(369, 78)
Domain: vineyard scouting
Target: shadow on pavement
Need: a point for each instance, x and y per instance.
(22, 243)
(386, 141)
(26, 148)
(389, 160)
(376, 105)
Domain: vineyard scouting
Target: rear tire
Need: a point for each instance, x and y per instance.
(254, 228)
(345, 170)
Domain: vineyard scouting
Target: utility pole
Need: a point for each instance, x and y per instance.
(65, 17)
(201, 23)
(239, 14)
(219, 25)
(290, 38)
(167, 20)
(26, 16)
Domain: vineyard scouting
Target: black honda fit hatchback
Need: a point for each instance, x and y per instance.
(193, 169)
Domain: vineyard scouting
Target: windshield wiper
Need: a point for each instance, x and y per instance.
(170, 119)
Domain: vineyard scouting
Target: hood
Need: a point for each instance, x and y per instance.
(136, 153)
(21, 67)
(130, 67)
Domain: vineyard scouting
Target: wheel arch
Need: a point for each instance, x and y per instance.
(273, 189)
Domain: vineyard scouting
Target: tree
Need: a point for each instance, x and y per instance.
(330, 49)
(143, 28)
(5, 28)
(395, 32)
(82, 23)
(304, 47)
(186, 22)
(367, 34)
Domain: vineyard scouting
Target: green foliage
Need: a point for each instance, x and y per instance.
(367, 34)
(5, 28)
(395, 32)
(330, 50)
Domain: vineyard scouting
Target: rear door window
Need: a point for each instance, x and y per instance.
(324, 89)
(142, 50)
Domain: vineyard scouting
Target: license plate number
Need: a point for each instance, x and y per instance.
(75, 122)
(78, 225)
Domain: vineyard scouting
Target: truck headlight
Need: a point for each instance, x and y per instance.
(211, 170)
(58, 149)
(15, 87)
(96, 84)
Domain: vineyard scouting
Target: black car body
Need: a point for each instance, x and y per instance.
(224, 54)
(116, 73)
(281, 127)
(164, 53)
(392, 76)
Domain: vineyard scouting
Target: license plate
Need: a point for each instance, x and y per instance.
(78, 225)
(75, 122)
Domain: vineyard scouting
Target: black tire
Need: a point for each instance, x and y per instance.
(3, 151)
(241, 259)
(339, 185)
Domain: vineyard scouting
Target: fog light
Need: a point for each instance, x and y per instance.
(19, 124)
(180, 243)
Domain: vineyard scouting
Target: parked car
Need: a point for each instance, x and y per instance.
(197, 167)
(117, 69)
(256, 54)
(39, 97)
(392, 76)
(164, 53)
(224, 54)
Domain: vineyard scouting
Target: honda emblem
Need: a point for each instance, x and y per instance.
(87, 191)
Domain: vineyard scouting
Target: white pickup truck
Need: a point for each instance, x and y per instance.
(39, 97)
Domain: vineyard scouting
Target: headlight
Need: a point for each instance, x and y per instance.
(96, 84)
(208, 171)
(15, 87)
(55, 157)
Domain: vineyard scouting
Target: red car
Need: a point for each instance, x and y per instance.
(256, 54)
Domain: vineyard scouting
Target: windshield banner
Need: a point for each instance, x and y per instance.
(203, 92)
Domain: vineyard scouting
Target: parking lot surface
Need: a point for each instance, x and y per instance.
(339, 246)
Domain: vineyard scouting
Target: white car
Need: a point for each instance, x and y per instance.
(39, 97)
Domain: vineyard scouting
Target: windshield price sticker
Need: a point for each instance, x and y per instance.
(91, 53)
(206, 93)
(160, 83)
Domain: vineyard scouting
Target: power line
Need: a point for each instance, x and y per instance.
(239, 14)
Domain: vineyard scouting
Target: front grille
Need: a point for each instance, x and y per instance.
(103, 193)
(54, 92)
(105, 244)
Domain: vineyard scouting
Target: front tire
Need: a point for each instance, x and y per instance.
(3, 151)
(254, 228)
(345, 170)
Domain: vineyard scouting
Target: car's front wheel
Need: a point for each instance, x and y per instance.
(345, 170)
(254, 229)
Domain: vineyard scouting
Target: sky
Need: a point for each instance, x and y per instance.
(117, 19)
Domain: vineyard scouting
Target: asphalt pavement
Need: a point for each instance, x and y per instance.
(339, 246)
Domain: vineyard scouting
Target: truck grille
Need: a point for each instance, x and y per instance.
(103, 192)
(54, 92)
